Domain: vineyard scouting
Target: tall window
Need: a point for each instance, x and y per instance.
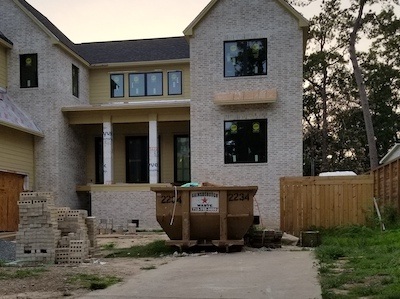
(28, 70)
(182, 159)
(174, 82)
(145, 84)
(246, 141)
(117, 85)
(75, 81)
(245, 58)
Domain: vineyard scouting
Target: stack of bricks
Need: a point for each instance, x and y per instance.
(91, 225)
(53, 234)
(73, 247)
(38, 233)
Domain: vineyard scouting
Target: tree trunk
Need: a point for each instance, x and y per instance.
(369, 128)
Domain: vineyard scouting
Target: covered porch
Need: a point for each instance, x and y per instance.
(131, 147)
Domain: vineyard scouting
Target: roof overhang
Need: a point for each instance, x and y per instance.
(391, 155)
(14, 117)
(129, 112)
(21, 129)
(5, 43)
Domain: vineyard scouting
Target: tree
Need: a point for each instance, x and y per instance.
(337, 120)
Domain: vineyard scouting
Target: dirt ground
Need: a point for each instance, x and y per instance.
(54, 281)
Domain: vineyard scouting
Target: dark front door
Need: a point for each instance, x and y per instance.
(182, 159)
(137, 159)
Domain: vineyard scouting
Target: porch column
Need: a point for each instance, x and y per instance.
(153, 149)
(108, 151)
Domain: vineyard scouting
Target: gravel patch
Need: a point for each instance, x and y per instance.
(7, 251)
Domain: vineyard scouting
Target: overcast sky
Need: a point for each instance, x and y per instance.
(106, 20)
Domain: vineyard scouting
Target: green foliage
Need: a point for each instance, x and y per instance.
(335, 137)
(154, 249)
(94, 282)
(360, 262)
(10, 273)
(108, 246)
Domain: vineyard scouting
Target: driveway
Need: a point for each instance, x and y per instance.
(276, 274)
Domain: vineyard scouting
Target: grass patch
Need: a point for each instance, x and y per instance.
(154, 249)
(94, 282)
(21, 273)
(359, 262)
(109, 246)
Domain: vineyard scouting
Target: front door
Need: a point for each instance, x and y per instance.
(11, 185)
(137, 159)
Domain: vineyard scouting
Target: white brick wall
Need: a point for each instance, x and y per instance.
(59, 156)
(122, 207)
(233, 20)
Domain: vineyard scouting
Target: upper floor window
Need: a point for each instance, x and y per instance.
(117, 85)
(245, 57)
(174, 82)
(246, 141)
(145, 84)
(28, 70)
(75, 81)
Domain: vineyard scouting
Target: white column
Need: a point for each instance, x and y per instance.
(153, 149)
(108, 152)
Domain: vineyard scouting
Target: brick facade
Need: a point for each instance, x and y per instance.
(123, 207)
(59, 156)
(236, 20)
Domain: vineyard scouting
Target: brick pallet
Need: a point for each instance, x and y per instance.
(53, 234)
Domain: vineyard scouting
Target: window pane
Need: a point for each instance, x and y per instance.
(117, 85)
(246, 141)
(154, 84)
(75, 81)
(136, 85)
(174, 82)
(182, 159)
(28, 71)
(245, 58)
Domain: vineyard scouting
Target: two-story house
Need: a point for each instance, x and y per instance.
(222, 104)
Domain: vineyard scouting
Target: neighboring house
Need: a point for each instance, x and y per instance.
(392, 155)
(221, 104)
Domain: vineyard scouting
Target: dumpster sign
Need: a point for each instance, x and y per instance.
(204, 201)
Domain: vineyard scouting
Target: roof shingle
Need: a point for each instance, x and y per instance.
(119, 51)
(135, 50)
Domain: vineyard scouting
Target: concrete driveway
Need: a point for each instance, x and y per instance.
(276, 274)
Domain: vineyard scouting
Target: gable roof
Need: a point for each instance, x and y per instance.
(135, 50)
(113, 51)
(303, 22)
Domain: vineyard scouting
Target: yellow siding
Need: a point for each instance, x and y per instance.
(16, 153)
(166, 131)
(3, 67)
(100, 83)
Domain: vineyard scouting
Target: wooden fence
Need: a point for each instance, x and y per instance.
(387, 184)
(308, 202)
